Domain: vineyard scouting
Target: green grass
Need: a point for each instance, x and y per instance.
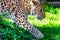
(49, 26)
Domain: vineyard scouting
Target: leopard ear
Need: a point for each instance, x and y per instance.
(36, 2)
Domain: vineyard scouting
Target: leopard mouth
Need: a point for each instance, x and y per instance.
(39, 18)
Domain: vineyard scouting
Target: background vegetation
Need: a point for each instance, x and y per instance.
(49, 26)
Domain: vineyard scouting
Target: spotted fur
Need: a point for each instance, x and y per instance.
(20, 9)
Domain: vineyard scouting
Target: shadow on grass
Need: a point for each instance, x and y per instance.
(8, 32)
(50, 33)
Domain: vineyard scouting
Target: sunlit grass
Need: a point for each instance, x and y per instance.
(49, 19)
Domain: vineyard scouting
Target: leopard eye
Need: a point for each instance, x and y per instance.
(40, 10)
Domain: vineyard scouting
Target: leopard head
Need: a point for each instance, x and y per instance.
(38, 9)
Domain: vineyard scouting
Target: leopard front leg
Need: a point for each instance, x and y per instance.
(21, 21)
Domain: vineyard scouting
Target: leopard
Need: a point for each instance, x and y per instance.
(20, 9)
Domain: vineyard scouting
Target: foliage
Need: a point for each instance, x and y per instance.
(11, 31)
(49, 26)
